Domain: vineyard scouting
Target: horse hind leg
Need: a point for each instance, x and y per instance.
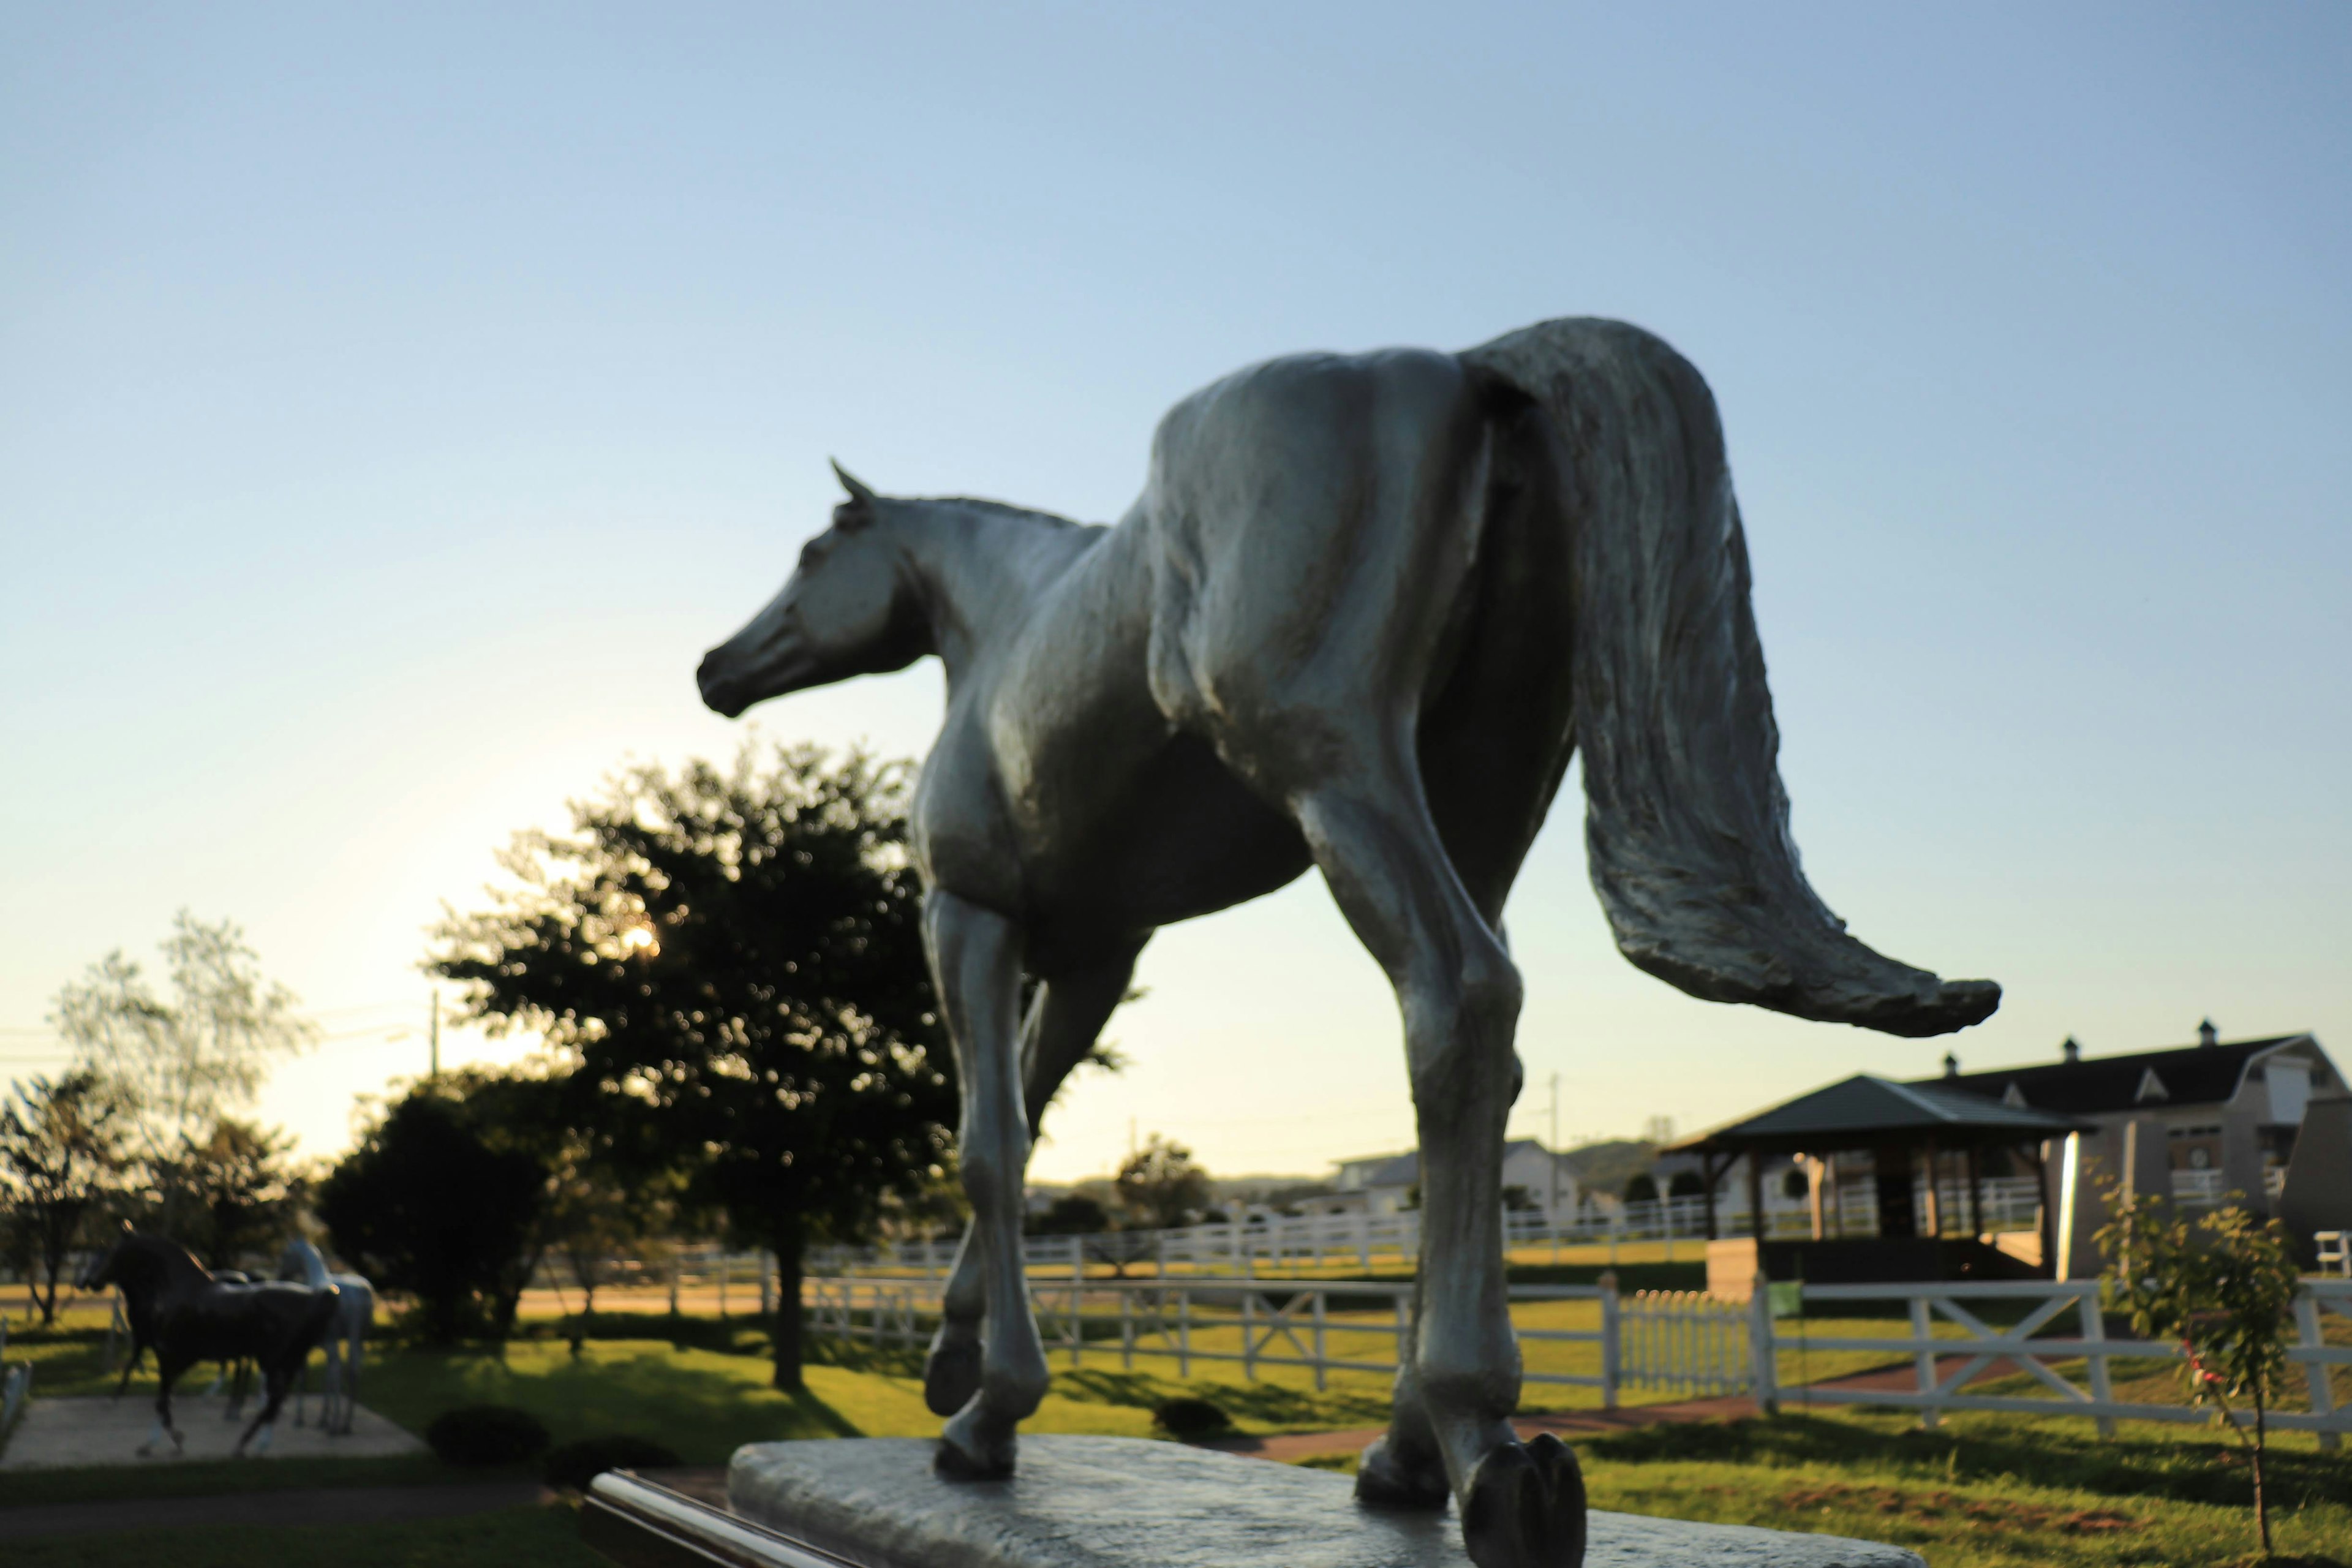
(1371, 834)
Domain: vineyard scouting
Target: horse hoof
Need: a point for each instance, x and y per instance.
(964, 1455)
(1383, 1479)
(1524, 1507)
(951, 1373)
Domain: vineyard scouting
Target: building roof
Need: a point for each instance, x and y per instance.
(2184, 1075)
(1863, 1108)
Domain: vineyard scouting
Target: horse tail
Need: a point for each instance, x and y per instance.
(1686, 830)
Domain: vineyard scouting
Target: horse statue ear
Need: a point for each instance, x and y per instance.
(860, 508)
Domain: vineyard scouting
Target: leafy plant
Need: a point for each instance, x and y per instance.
(1189, 1418)
(475, 1434)
(2221, 1289)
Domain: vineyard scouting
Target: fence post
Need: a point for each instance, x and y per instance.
(1319, 1342)
(2314, 1372)
(1404, 1330)
(1126, 1332)
(1763, 1370)
(1364, 1239)
(1609, 1332)
(1249, 1336)
(2095, 1335)
(1921, 1324)
(1185, 1333)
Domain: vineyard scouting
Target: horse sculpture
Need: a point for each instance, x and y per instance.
(1361, 615)
(354, 1315)
(193, 1317)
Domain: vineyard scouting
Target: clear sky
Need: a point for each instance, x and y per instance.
(394, 401)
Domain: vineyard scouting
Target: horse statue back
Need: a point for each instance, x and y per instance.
(347, 1339)
(1361, 616)
(194, 1317)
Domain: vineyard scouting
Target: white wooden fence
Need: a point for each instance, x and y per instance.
(1673, 1341)
(2087, 1353)
(1676, 1342)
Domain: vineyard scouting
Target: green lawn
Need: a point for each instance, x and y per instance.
(514, 1538)
(1981, 1491)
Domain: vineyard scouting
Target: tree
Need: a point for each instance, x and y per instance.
(1072, 1213)
(62, 1142)
(442, 1200)
(1161, 1187)
(181, 1058)
(2220, 1288)
(593, 1214)
(237, 1186)
(734, 961)
(1642, 1189)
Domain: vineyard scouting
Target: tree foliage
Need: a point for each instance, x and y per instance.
(733, 961)
(232, 1189)
(184, 1055)
(63, 1142)
(443, 1197)
(2220, 1288)
(1160, 1186)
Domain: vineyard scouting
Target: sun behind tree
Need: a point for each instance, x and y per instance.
(734, 963)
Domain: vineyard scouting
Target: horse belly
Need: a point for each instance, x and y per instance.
(1183, 837)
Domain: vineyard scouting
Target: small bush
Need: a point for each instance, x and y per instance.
(485, 1434)
(1188, 1419)
(574, 1464)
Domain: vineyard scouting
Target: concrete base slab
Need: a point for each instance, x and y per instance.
(57, 1433)
(1107, 1502)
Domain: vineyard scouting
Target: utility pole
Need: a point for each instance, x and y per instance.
(1552, 1210)
(433, 1034)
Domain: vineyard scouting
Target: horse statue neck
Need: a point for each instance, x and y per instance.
(301, 1261)
(147, 1267)
(978, 567)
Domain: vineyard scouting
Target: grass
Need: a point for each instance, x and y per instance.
(511, 1538)
(1980, 1492)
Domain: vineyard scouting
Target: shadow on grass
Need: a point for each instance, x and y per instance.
(2174, 1471)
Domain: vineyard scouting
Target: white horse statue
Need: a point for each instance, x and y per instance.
(354, 1315)
(1361, 615)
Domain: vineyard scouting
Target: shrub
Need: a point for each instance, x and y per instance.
(485, 1434)
(1188, 1419)
(574, 1464)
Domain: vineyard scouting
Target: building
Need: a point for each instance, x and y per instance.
(1390, 1183)
(2198, 1124)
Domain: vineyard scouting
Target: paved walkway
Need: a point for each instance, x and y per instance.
(99, 1430)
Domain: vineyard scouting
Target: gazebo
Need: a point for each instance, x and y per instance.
(1909, 1131)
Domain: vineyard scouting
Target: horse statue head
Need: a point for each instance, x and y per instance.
(850, 608)
(101, 1270)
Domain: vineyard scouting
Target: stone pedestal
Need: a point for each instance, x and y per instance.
(1102, 1502)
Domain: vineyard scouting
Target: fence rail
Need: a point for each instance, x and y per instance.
(1677, 1343)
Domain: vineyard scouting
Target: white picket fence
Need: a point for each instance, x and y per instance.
(1678, 1342)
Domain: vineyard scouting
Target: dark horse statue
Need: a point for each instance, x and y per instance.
(190, 1317)
(1363, 613)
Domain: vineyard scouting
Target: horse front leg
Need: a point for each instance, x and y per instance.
(1458, 1380)
(975, 956)
(1064, 1020)
(167, 1373)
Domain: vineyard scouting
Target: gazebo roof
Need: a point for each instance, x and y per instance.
(1865, 1110)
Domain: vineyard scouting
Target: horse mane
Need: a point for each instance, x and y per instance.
(167, 1257)
(998, 509)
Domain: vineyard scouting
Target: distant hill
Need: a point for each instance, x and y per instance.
(1607, 1167)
